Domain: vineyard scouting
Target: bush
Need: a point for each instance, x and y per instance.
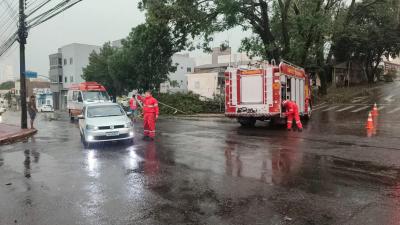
(189, 103)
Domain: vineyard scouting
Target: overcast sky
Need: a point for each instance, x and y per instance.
(88, 22)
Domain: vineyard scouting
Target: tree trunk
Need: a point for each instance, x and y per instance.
(284, 8)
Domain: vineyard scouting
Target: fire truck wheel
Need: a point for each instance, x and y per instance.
(247, 122)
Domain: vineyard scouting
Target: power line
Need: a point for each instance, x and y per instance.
(7, 45)
(38, 8)
(37, 20)
(44, 14)
(9, 7)
(4, 30)
(7, 16)
(55, 13)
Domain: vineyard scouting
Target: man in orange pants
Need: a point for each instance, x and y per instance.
(150, 111)
(292, 111)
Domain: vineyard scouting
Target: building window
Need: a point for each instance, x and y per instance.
(189, 70)
(65, 61)
(60, 79)
(71, 79)
(60, 61)
(70, 61)
(65, 80)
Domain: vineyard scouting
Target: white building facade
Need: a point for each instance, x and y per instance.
(75, 57)
(204, 84)
(208, 79)
(66, 69)
(178, 80)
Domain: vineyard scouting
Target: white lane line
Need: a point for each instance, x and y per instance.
(321, 107)
(389, 98)
(381, 107)
(358, 100)
(362, 97)
(316, 106)
(344, 109)
(395, 110)
(328, 109)
(360, 109)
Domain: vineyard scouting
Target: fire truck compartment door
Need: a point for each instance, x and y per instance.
(251, 89)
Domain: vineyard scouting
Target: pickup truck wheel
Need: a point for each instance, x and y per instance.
(247, 122)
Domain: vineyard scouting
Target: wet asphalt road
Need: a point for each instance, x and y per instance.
(211, 171)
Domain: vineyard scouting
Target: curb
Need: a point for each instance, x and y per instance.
(17, 136)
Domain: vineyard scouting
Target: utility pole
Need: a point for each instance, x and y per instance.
(22, 35)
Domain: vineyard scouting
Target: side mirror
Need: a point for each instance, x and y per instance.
(129, 113)
(80, 117)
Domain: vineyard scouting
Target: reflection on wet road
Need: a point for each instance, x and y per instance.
(207, 171)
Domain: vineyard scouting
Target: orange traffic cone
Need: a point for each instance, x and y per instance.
(375, 111)
(370, 122)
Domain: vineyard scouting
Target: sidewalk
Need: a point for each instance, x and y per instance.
(12, 133)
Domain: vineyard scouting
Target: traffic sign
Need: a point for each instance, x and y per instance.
(31, 74)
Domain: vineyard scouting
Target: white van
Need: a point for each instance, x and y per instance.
(85, 93)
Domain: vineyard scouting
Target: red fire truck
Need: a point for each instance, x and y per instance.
(256, 93)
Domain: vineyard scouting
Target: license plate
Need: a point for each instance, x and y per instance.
(111, 134)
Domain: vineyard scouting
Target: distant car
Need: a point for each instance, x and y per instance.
(46, 108)
(101, 122)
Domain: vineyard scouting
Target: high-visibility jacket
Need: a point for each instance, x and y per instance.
(291, 108)
(150, 105)
(132, 103)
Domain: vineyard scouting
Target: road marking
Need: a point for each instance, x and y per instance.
(389, 98)
(358, 99)
(344, 109)
(316, 106)
(395, 110)
(381, 107)
(328, 109)
(321, 107)
(360, 109)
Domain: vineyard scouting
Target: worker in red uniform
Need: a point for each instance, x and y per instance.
(133, 107)
(292, 112)
(150, 111)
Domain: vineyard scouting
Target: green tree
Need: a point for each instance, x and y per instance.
(143, 62)
(147, 52)
(282, 29)
(7, 85)
(99, 68)
(371, 32)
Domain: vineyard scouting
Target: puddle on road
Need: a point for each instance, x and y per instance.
(292, 167)
(26, 162)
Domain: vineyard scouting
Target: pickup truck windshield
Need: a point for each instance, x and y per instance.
(92, 96)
